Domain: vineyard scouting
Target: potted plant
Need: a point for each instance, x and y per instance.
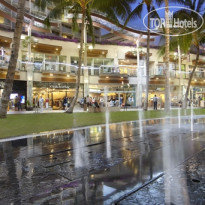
(29, 107)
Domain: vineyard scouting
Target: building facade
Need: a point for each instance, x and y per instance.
(48, 63)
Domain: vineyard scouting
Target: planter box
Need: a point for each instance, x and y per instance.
(29, 108)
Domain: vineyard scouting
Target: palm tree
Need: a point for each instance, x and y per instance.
(13, 59)
(197, 38)
(193, 40)
(137, 11)
(167, 45)
(112, 9)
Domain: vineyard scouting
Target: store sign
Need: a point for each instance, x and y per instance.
(59, 86)
(177, 26)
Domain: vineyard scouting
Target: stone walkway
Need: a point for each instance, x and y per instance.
(100, 165)
(183, 185)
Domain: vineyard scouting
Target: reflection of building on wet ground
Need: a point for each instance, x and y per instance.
(42, 169)
(111, 63)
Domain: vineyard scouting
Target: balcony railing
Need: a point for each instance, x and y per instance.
(118, 71)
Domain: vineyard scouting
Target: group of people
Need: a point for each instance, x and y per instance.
(17, 103)
(66, 103)
(96, 102)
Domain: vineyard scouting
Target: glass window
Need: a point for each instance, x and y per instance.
(62, 65)
(50, 62)
(97, 64)
(38, 61)
(25, 58)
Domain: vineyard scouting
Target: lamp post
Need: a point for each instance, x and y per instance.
(180, 80)
(139, 77)
(86, 85)
(29, 69)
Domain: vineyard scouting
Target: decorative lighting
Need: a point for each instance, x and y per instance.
(68, 76)
(122, 77)
(107, 76)
(90, 47)
(51, 74)
(157, 78)
(23, 37)
(195, 80)
(56, 49)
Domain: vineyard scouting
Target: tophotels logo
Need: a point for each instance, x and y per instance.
(184, 26)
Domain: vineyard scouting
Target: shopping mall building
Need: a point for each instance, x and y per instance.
(48, 61)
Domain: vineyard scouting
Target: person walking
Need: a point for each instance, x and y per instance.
(155, 102)
(85, 104)
(41, 101)
(65, 103)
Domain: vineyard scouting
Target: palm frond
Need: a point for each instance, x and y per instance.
(90, 25)
(135, 13)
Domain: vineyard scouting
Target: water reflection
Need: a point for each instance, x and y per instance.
(80, 150)
(73, 165)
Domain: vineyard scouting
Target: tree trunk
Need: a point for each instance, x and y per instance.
(13, 59)
(147, 62)
(167, 74)
(70, 109)
(190, 79)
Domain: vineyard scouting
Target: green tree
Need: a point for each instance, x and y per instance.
(112, 9)
(194, 39)
(13, 59)
(136, 13)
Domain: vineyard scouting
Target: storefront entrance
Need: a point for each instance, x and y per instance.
(53, 94)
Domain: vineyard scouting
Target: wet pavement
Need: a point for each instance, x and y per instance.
(74, 168)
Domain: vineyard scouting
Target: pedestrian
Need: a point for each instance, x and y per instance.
(88, 101)
(16, 103)
(41, 101)
(155, 102)
(85, 104)
(19, 103)
(65, 103)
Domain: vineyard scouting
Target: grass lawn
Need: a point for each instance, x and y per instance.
(16, 125)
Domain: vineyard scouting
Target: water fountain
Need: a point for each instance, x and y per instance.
(80, 150)
(107, 128)
(192, 118)
(179, 117)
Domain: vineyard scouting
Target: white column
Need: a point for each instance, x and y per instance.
(29, 69)
(139, 78)
(180, 74)
(86, 78)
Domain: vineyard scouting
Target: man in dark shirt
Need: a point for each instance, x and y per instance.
(155, 102)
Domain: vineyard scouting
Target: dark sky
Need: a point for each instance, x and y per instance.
(138, 23)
